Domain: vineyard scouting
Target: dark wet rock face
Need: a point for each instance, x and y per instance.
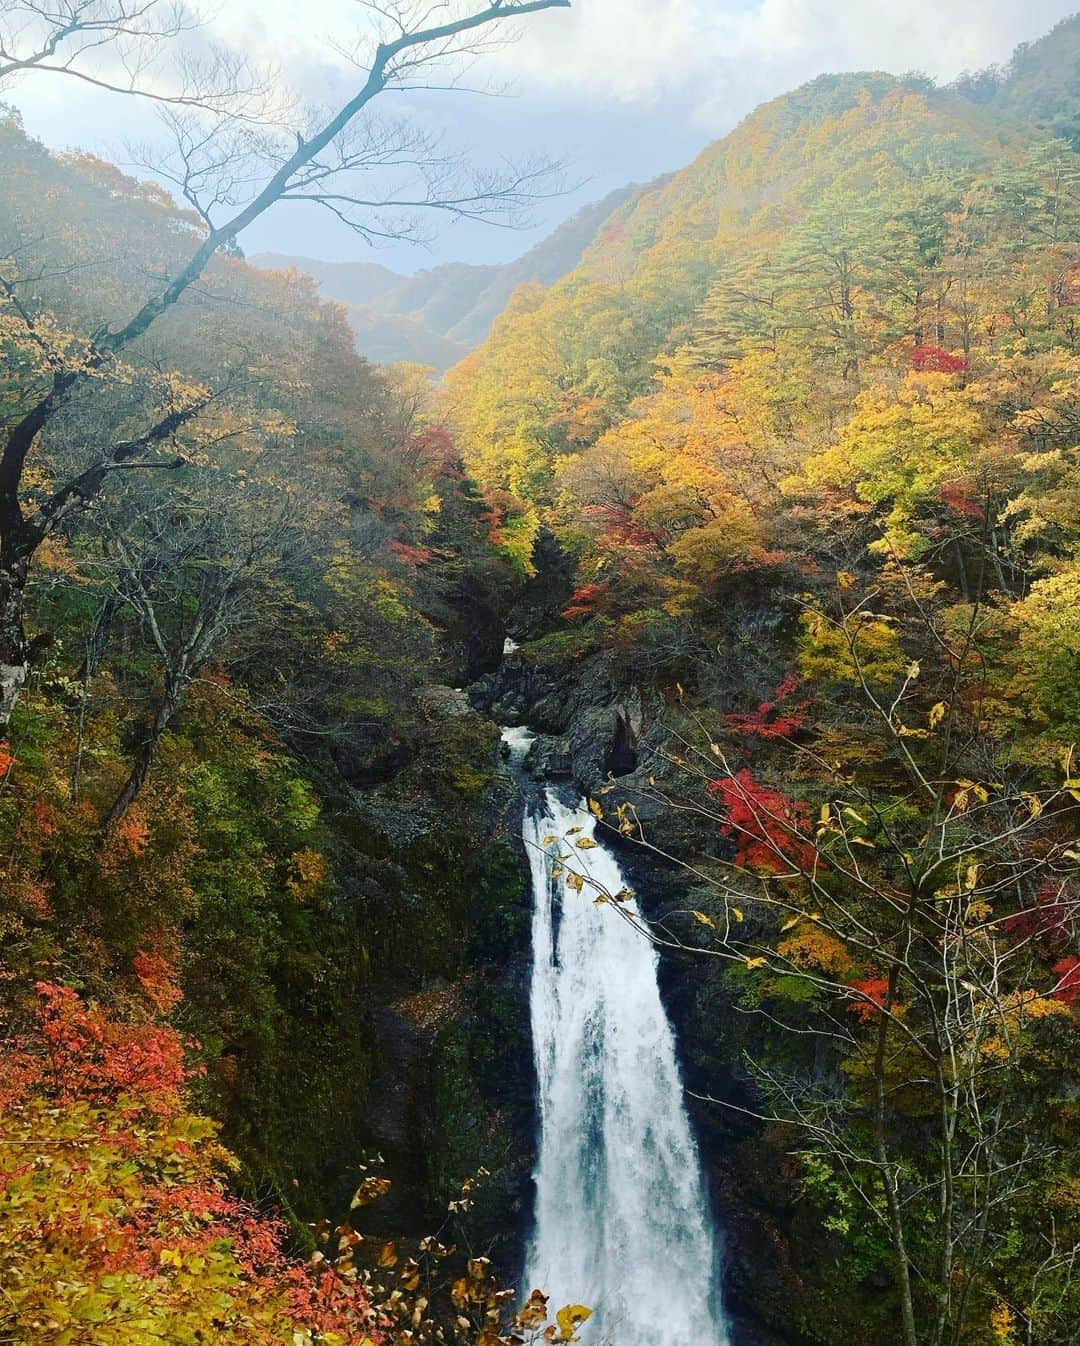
(591, 727)
(598, 736)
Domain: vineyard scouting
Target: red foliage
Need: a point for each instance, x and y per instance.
(1067, 972)
(411, 556)
(91, 1056)
(436, 447)
(1047, 920)
(587, 601)
(157, 977)
(874, 990)
(134, 1078)
(769, 720)
(493, 518)
(954, 497)
(765, 824)
(620, 528)
(934, 359)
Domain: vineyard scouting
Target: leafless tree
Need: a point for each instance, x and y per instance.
(197, 568)
(131, 47)
(233, 173)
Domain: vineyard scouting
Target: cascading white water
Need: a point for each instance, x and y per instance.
(622, 1222)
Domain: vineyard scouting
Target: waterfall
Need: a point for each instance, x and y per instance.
(622, 1222)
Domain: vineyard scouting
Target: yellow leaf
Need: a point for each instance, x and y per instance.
(845, 579)
(1034, 804)
(752, 963)
(1073, 786)
(937, 714)
(736, 914)
(574, 881)
(913, 669)
(549, 840)
(570, 1318)
(586, 844)
(790, 924)
(702, 919)
(595, 809)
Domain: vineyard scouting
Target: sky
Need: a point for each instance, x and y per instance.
(619, 90)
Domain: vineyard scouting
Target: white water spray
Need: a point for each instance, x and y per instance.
(622, 1222)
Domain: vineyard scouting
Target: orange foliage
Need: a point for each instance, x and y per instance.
(811, 947)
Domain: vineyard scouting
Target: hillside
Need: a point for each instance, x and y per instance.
(189, 836)
(791, 460)
(786, 202)
(437, 316)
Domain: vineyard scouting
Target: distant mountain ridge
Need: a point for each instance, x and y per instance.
(1040, 84)
(437, 316)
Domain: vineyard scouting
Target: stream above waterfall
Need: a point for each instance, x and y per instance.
(621, 1219)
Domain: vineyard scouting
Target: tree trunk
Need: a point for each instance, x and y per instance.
(95, 650)
(14, 647)
(888, 1177)
(171, 698)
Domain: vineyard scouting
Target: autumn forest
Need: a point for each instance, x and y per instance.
(582, 846)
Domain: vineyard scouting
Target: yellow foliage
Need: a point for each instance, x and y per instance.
(1002, 1322)
(308, 873)
(865, 646)
(812, 947)
(901, 448)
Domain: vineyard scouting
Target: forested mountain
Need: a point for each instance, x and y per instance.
(439, 315)
(771, 471)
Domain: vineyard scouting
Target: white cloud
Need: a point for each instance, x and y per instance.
(715, 56)
(706, 51)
